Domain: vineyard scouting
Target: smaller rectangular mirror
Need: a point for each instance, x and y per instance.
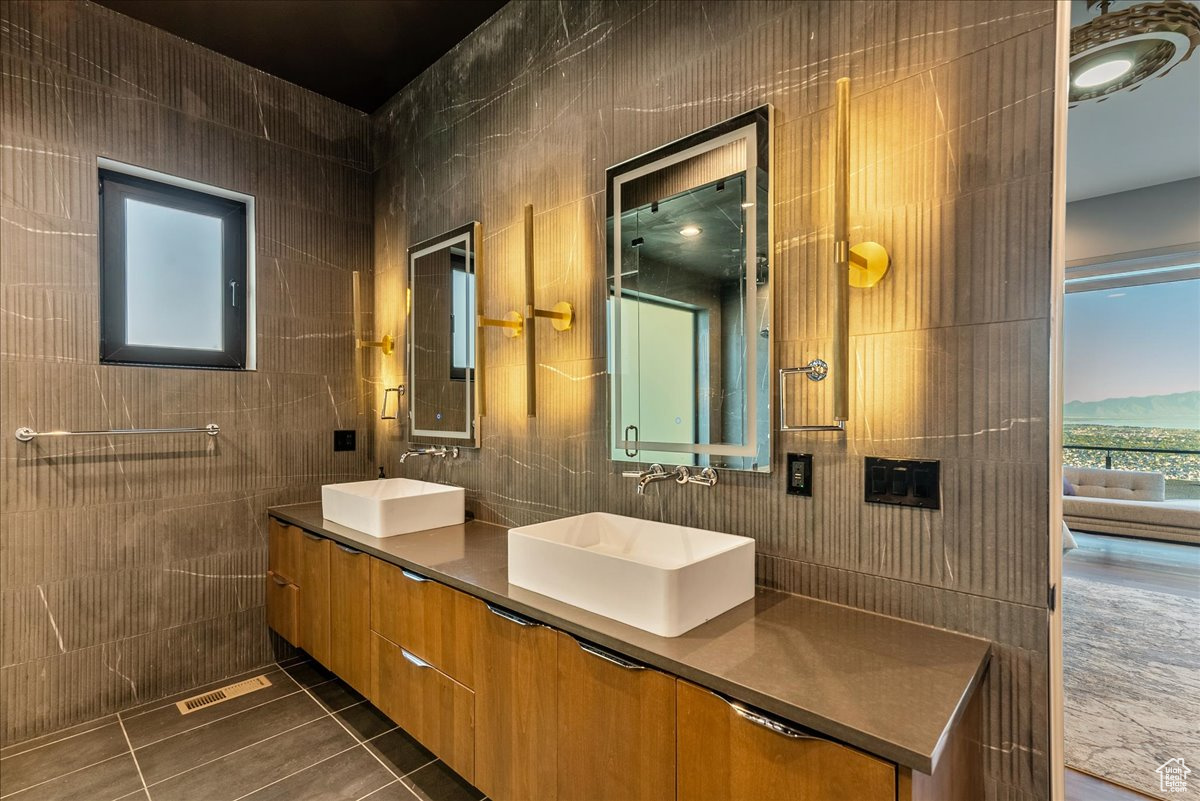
(441, 338)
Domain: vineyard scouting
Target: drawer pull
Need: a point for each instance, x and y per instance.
(769, 724)
(416, 660)
(280, 580)
(509, 616)
(609, 657)
(408, 574)
(348, 549)
(311, 536)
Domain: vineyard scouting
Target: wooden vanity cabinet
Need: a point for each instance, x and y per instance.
(350, 616)
(429, 619)
(283, 607)
(314, 597)
(434, 708)
(616, 727)
(516, 708)
(729, 752)
(283, 574)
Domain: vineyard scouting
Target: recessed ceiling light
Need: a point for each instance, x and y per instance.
(1102, 73)
(1118, 51)
(689, 231)
(747, 204)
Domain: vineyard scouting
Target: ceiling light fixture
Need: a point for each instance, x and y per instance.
(689, 231)
(1102, 73)
(1121, 50)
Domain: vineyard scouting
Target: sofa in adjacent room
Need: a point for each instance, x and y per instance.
(1127, 502)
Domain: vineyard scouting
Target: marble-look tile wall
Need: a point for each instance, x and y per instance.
(133, 568)
(952, 170)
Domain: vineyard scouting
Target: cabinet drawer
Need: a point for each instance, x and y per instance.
(730, 753)
(430, 620)
(283, 550)
(350, 616)
(616, 727)
(283, 607)
(426, 703)
(314, 596)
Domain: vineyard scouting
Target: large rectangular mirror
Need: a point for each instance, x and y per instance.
(689, 299)
(441, 338)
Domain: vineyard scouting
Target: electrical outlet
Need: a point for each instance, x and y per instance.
(799, 474)
(344, 440)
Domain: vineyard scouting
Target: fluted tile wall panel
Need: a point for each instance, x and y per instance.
(133, 568)
(951, 156)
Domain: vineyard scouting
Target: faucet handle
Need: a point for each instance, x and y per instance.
(705, 478)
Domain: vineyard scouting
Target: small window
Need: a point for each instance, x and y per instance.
(173, 275)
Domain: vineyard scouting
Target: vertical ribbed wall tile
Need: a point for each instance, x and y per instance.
(133, 568)
(951, 153)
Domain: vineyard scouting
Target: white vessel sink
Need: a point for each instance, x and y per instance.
(390, 506)
(658, 577)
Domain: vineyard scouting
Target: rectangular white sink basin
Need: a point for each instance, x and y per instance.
(661, 578)
(390, 506)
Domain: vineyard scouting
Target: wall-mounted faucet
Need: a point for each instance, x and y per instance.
(440, 451)
(682, 475)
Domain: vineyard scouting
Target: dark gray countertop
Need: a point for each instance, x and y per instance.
(888, 686)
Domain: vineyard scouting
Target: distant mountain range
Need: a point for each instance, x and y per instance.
(1178, 410)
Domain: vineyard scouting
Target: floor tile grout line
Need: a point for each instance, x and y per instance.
(124, 715)
(356, 738)
(200, 726)
(92, 730)
(133, 756)
(296, 772)
(59, 776)
(235, 751)
(196, 690)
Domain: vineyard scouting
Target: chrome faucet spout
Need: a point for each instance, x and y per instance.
(440, 451)
(656, 472)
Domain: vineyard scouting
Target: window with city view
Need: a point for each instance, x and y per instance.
(1131, 362)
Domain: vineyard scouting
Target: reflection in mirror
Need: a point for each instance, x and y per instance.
(689, 300)
(441, 338)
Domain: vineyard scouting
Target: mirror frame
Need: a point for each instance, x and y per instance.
(756, 129)
(468, 237)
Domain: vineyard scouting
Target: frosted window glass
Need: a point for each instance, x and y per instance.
(173, 279)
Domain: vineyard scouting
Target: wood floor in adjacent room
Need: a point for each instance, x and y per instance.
(1139, 565)
(1083, 787)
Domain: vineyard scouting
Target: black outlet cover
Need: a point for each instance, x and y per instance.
(799, 474)
(902, 482)
(344, 440)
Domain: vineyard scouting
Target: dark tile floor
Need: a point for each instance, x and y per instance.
(307, 737)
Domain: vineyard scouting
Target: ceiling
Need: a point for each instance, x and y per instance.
(1135, 139)
(359, 52)
(715, 254)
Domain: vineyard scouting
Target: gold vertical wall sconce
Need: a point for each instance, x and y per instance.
(386, 344)
(561, 315)
(863, 265)
(512, 324)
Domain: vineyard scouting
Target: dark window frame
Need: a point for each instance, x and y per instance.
(115, 188)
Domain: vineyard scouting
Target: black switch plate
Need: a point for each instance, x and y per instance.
(344, 440)
(902, 482)
(799, 474)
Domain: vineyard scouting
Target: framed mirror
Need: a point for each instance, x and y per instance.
(689, 299)
(441, 338)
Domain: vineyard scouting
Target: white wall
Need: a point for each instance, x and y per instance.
(1162, 216)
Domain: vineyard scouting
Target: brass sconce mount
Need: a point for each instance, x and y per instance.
(869, 263)
(386, 345)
